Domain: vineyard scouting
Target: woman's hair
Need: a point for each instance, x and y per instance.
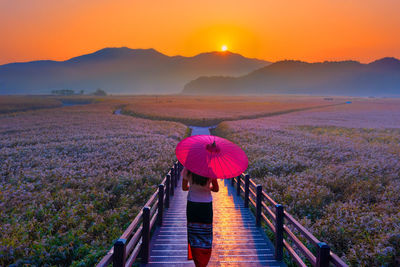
(198, 179)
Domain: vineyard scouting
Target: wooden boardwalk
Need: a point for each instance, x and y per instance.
(237, 241)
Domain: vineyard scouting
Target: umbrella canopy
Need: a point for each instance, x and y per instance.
(211, 156)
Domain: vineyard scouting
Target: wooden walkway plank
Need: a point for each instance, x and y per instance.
(236, 239)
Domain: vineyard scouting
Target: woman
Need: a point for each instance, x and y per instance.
(199, 214)
(205, 158)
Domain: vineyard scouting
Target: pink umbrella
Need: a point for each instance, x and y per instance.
(211, 156)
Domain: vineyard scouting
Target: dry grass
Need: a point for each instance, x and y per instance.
(10, 104)
(73, 178)
(336, 169)
(339, 179)
(211, 110)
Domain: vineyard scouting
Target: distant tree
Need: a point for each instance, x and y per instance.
(63, 92)
(82, 92)
(99, 92)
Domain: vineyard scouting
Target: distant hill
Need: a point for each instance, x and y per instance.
(379, 78)
(121, 70)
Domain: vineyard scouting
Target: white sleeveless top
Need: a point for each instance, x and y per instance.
(198, 193)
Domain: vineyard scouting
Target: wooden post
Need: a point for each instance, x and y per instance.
(246, 190)
(160, 204)
(145, 248)
(119, 255)
(238, 186)
(167, 190)
(173, 172)
(279, 232)
(323, 255)
(172, 184)
(180, 167)
(176, 174)
(258, 205)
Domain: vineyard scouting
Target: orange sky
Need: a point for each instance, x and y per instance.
(310, 30)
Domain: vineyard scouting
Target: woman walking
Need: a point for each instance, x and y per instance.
(205, 158)
(199, 214)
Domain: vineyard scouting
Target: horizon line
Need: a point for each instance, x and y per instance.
(206, 52)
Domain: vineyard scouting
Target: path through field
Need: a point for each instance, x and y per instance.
(236, 239)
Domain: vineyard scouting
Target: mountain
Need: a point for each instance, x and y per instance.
(352, 78)
(121, 70)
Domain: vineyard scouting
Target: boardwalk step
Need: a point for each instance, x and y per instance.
(236, 239)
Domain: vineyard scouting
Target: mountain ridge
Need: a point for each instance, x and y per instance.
(379, 77)
(121, 70)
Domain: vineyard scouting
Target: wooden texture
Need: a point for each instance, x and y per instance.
(236, 242)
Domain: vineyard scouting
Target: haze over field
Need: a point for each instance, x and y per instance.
(122, 71)
(146, 71)
(351, 78)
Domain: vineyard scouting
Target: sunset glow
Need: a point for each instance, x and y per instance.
(272, 30)
(224, 48)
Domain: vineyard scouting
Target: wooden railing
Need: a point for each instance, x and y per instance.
(273, 215)
(134, 243)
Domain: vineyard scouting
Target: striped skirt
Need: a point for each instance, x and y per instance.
(199, 230)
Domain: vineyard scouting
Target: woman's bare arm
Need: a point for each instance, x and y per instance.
(185, 182)
(214, 185)
(185, 185)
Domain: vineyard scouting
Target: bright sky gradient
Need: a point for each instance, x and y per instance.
(310, 30)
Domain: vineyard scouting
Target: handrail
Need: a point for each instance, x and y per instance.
(253, 203)
(135, 240)
(294, 255)
(269, 211)
(301, 228)
(252, 192)
(153, 220)
(269, 223)
(106, 260)
(252, 182)
(270, 200)
(279, 228)
(300, 245)
(153, 209)
(132, 226)
(336, 260)
(135, 253)
(150, 201)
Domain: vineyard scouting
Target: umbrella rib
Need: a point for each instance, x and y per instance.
(220, 164)
(232, 160)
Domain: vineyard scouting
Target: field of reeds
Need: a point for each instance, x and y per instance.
(337, 170)
(73, 178)
(10, 104)
(211, 110)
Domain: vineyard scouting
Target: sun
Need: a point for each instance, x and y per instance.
(224, 48)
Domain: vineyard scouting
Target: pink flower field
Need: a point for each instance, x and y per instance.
(336, 169)
(73, 178)
(210, 110)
